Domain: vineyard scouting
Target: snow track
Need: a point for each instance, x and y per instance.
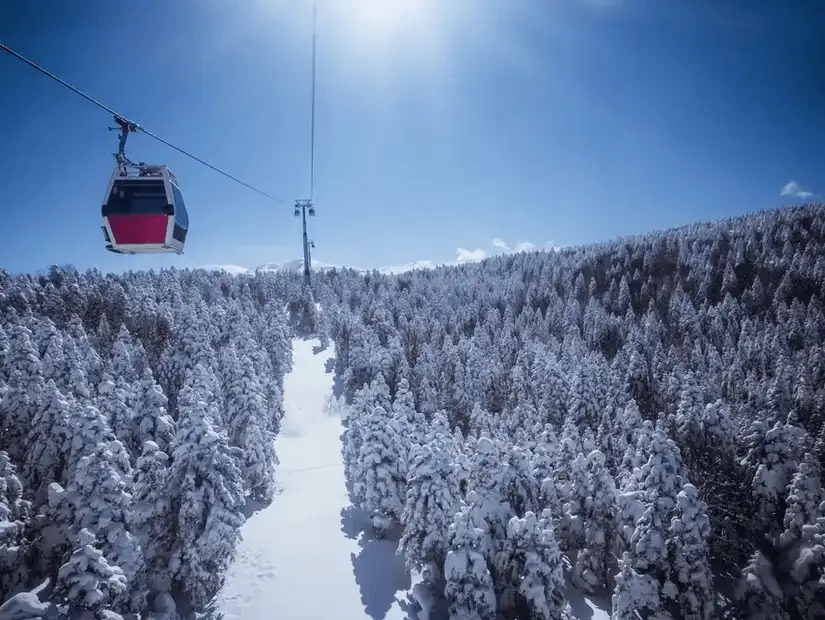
(306, 555)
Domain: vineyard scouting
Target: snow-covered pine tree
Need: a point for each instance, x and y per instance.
(689, 558)
(519, 488)
(530, 568)
(634, 592)
(469, 589)
(128, 357)
(480, 421)
(77, 381)
(717, 426)
(408, 423)
(49, 438)
(88, 355)
(772, 457)
(569, 447)
(14, 517)
(379, 460)
(88, 582)
(103, 337)
(52, 354)
(758, 596)
(363, 404)
(582, 400)
(89, 430)
(99, 495)
(205, 487)
(16, 412)
(574, 499)
(275, 340)
(485, 498)
(689, 414)
(4, 350)
(191, 349)
(23, 356)
(645, 508)
(599, 524)
(151, 515)
(150, 421)
(249, 424)
(430, 504)
(543, 462)
(802, 543)
(305, 312)
(114, 404)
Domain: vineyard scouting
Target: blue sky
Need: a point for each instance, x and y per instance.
(438, 129)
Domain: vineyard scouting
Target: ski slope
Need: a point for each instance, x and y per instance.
(305, 556)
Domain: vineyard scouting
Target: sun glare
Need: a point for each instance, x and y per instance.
(384, 44)
(384, 17)
(388, 26)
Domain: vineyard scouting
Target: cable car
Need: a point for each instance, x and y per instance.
(144, 213)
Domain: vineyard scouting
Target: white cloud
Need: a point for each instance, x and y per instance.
(469, 256)
(521, 246)
(792, 188)
(463, 255)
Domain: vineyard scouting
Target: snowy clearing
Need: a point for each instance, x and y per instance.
(306, 554)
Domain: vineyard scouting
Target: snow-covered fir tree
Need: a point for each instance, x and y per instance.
(379, 458)
(431, 501)
(205, 487)
(532, 567)
(88, 581)
(469, 590)
(689, 557)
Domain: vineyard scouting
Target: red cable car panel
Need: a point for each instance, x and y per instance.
(138, 229)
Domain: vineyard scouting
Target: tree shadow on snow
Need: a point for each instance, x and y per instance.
(353, 522)
(581, 604)
(329, 365)
(252, 506)
(338, 387)
(578, 604)
(378, 571)
(211, 612)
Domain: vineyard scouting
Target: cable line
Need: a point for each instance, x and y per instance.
(312, 131)
(132, 126)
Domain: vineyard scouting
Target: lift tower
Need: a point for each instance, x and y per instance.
(302, 208)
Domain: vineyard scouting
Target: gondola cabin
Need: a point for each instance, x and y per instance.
(144, 213)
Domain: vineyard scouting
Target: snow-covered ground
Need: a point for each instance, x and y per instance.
(305, 556)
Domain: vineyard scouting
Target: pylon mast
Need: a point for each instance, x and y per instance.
(304, 206)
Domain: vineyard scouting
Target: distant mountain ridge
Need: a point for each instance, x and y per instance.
(297, 266)
(293, 266)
